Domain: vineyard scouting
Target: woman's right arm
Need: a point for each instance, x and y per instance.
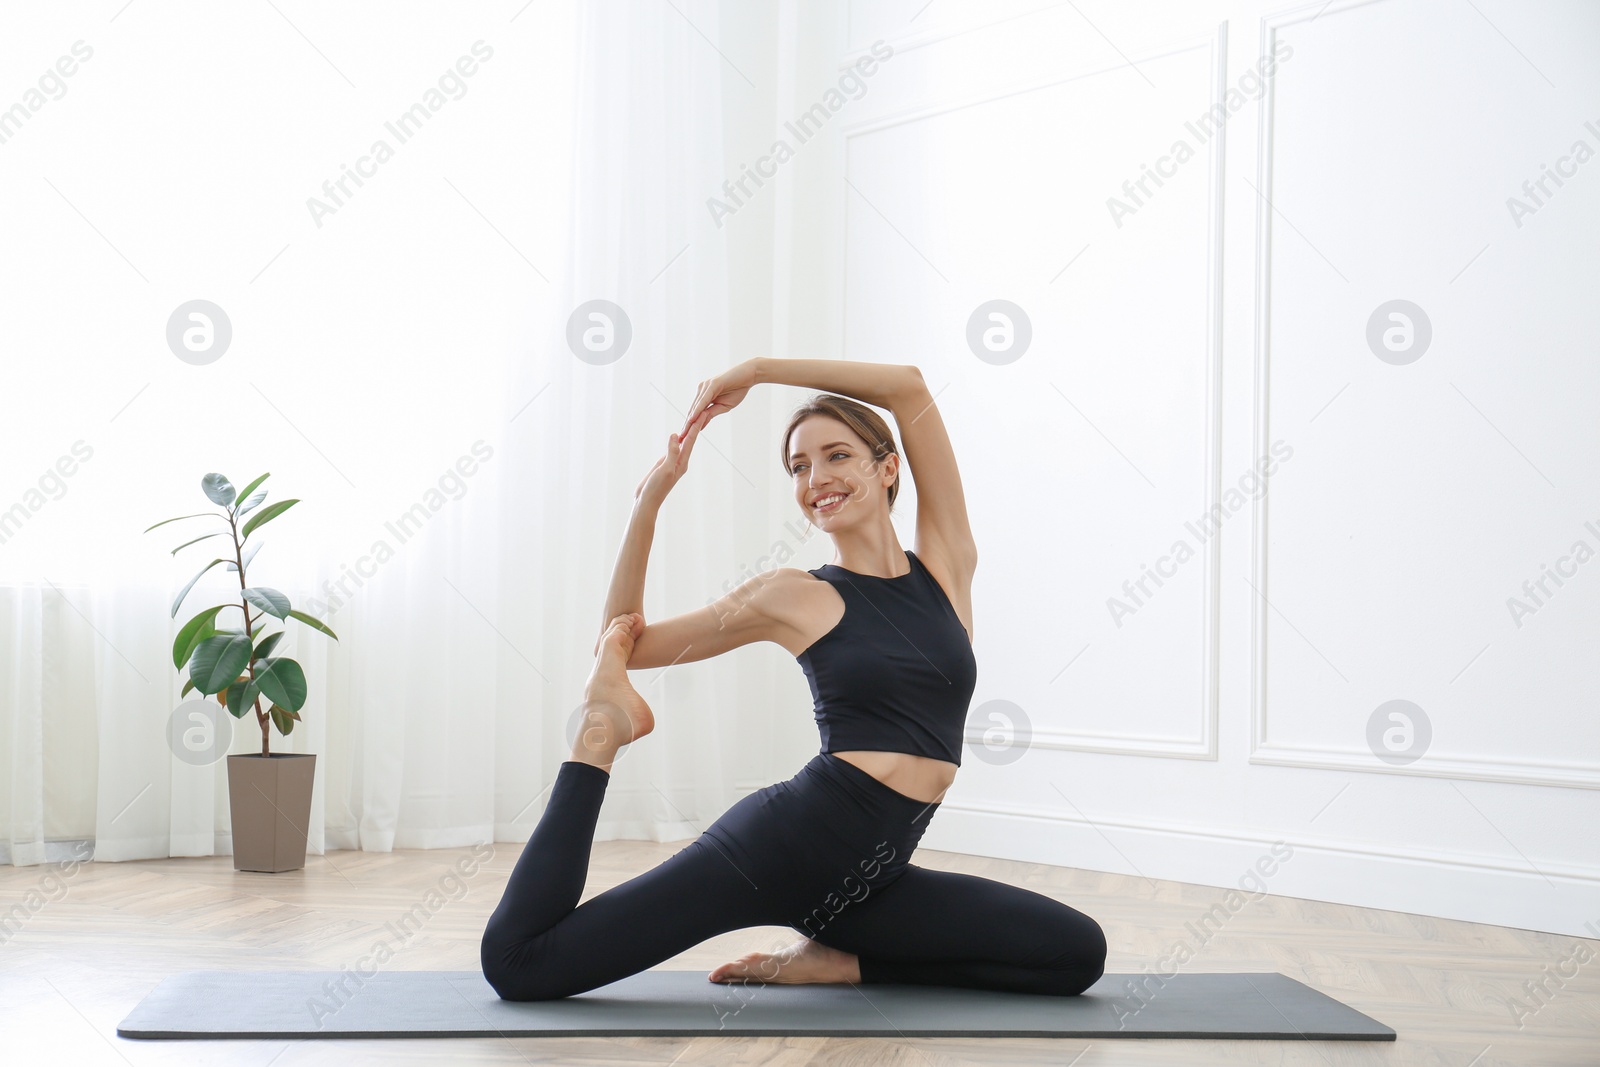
(770, 606)
(627, 576)
(766, 607)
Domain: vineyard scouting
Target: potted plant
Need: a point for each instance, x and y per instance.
(269, 795)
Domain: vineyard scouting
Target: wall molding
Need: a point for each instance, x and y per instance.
(1262, 750)
(1204, 745)
(1506, 772)
(936, 106)
(910, 42)
(1350, 847)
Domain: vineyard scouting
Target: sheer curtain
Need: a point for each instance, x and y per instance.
(401, 366)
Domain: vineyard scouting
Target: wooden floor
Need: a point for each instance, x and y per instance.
(113, 930)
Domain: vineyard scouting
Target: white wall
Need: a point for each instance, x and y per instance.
(1202, 337)
(1181, 744)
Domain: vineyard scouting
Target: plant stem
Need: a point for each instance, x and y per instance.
(238, 559)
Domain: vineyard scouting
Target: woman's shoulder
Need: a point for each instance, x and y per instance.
(804, 604)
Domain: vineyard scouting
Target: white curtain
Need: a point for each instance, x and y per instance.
(403, 355)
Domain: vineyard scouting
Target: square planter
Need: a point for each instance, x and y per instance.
(269, 800)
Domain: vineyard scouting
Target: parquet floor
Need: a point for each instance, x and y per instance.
(106, 935)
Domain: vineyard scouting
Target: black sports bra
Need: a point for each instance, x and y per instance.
(897, 672)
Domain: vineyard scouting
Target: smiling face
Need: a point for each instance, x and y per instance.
(836, 481)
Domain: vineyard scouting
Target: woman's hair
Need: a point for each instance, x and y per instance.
(862, 420)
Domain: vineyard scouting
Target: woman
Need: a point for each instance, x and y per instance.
(884, 639)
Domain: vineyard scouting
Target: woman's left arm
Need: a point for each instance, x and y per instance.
(879, 384)
(943, 529)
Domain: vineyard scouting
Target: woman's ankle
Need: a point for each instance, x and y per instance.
(593, 760)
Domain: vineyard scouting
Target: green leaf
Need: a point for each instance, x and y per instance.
(247, 490)
(186, 544)
(194, 631)
(240, 696)
(218, 660)
(268, 600)
(283, 682)
(185, 591)
(218, 488)
(268, 513)
(268, 643)
(180, 518)
(249, 554)
(313, 622)
(249, 504)
(282, 720)
(186, 687)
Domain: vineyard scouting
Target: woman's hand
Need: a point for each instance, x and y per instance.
(723, 392)
(655, 486)
(636, 621)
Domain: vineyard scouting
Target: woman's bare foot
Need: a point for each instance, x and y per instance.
(613, 711)
(806, 961)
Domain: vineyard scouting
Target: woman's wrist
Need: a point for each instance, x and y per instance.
(645, 511)
(759, 367)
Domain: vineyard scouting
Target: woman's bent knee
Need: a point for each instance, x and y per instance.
(516, 973)
(520, 990)
(527, 986)
(1082, 960)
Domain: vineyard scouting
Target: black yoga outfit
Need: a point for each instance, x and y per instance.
(826, 852)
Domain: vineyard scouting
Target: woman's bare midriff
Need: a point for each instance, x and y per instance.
(919, 777)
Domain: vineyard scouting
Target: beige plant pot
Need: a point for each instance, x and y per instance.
(269, 799)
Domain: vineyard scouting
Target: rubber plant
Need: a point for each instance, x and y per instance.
(236, 663)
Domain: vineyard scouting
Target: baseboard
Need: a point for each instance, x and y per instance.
(1554, 899)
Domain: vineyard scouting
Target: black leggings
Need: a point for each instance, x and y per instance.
(826, 852)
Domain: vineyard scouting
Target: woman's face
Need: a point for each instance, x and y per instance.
(832, 466)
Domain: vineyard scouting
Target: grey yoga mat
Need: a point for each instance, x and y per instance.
(278, 1004)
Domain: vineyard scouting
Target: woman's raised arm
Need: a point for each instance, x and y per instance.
(879, 384)
(627, 576)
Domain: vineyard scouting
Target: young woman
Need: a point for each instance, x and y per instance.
(884, 638)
